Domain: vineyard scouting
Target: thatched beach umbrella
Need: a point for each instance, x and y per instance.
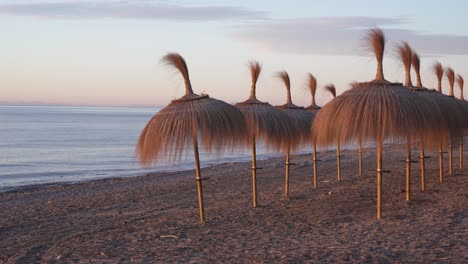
(404, 55)
(461, 82)
(300, 117)
(452, 113)
(439, 114)
(313, 108)
(186, 120)
(373, 111)
(451, 78)
(332, 90)
(264, 122)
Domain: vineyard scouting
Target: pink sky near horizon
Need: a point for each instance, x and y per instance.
(114, 61)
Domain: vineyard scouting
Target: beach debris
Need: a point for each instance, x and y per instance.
(181, 124)
(168, 236)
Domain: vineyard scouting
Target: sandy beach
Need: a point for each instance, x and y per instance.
(154, 218)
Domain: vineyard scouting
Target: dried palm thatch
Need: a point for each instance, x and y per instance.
(460, 82)
(300, 117)
(464, 104)
(186, 120)
(371, 112)
(416, 63)
(374, 42)
(405, 55)
(451, 78)
(332, 90)
(439, 72)
(265, 122)
(313, 108)
(441, 115)
(312, 85)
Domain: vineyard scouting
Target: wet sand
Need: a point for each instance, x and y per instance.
(154, 218)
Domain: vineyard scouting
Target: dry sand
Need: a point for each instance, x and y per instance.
(154, 218)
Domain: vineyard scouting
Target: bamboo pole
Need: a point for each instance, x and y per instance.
(360, 159)
(286, 179)
(379, 179)
(254, 172)
(450, 158)
(314, 158)
(198, 178)
(441, 164)
(338, 161)
(461, 153)
(423, 166)
(408, 169)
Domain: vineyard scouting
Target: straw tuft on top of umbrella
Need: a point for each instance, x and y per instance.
(374, 42)
(312, 85)
(405, 55)
(168, 134)
(460, 82)
(451, 78)
(439, 72)
(331, 89)
(416, 63)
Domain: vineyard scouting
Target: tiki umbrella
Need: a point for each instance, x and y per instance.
(264, 122)
(451, 112)
(373, 111)
(404, 54)
(460, 82)
(301, 119)
(438, 114)
(332, 90)
(451, 78)
(313, 108)
(188, 119)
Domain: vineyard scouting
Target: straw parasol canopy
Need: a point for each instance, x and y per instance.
(438, 112)
(460, 82)
(301, 118)
(312, 85)
(183, 122)
(372, 111)
(313, 108)
(265, 122)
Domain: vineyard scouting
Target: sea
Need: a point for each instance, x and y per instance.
(55, 144)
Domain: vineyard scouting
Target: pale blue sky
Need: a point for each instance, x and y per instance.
(107, 52)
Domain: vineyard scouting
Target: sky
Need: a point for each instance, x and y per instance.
(107, 52)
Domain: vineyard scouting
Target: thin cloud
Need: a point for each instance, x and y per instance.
(342, 36)
(129, 10)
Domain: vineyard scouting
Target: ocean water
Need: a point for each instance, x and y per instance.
(49, 144)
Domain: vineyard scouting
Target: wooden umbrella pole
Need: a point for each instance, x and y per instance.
(379, 179)
(338, 161)
(461, 152)
(286, 179)
(441, 164)
(314, 158)
(408, 169)
(423, 166)
(450, 158)
(360, 159)
(254, 172)
(198, 178)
